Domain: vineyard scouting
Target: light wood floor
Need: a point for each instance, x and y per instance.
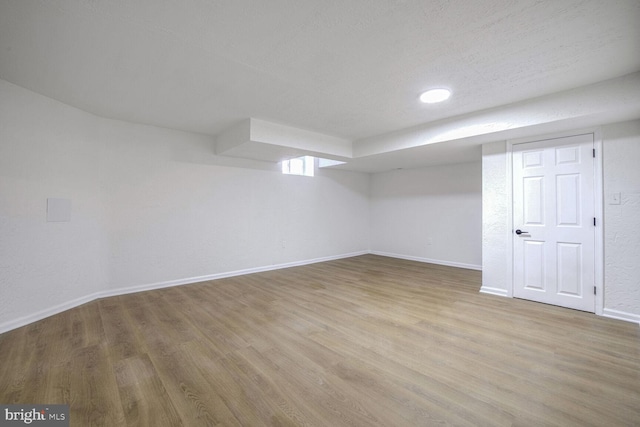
(365, 341)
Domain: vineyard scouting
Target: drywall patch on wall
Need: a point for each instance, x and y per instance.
(58, 210)
(622, 241)
(495, 218)
(430, 213)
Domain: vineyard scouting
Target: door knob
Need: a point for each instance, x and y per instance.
(519, 232)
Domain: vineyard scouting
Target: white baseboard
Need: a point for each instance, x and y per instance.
(216, 276)
(493, 291)
(47, 312)
(429, 260)
(621, 315)
(50, 311)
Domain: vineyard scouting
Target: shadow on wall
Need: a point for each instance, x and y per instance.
(461, 178)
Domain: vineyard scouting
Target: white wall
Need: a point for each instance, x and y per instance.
(179, 214)
(47, 150)
(495, 218)
(621, 174)
(429, 214)
(150, 206)
(622, 222)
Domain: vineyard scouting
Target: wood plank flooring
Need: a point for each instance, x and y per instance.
(364, 341)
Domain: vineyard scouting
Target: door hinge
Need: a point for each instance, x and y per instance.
(594, 221)
(594, 290)
(594, 153)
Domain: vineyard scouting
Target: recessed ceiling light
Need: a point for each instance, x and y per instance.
(435, 95)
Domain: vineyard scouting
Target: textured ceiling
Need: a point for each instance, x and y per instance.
(351, 69)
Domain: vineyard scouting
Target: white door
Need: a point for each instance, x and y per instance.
(553, 222)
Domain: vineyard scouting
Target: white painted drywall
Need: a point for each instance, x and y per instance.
(430, 214)
(495, 218)
(622, 221)
(621, 174)
(48, 150)
(149, 205)
(176, 213)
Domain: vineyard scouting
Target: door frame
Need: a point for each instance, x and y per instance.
(598, 209)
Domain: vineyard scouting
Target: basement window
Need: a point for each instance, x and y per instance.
(298, 166)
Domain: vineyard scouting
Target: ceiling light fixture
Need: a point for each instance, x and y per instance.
(435, 95)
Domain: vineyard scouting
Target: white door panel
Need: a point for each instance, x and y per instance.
(553, 207)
